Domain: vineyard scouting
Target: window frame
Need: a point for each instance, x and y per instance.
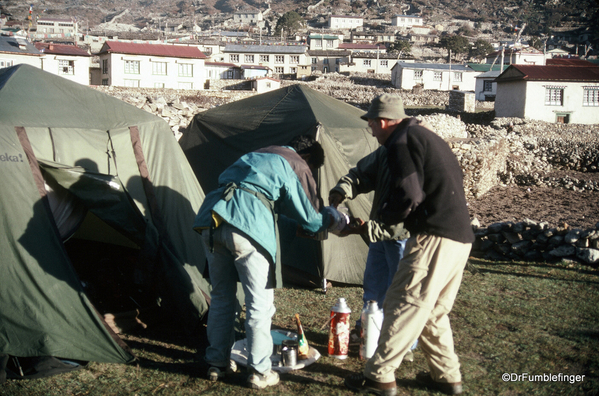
(158, 71)
(590, 97)
(554, 96)
(132, 70)
(438, 76)
(185, 69)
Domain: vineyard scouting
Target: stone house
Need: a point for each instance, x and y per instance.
(439, 76)
(517, 56)
(222, 71)
(407, 21)
(366, 62)
(281, 59)
(68, 61)
(323, 42)
(55, 27)
(486, 87)
(560, 94)
(248, 17)
(328, 61)
(345, 22)
(152, 65)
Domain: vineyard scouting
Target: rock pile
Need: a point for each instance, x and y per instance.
(532, 241)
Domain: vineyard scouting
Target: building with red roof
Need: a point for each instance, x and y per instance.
(68, 61)
(549, 93)
(146, 65)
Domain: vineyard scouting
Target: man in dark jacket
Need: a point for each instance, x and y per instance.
(427, 195)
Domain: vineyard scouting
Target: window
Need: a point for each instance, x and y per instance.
(132, 67)
(314, 60)
(337, 61)
(554, 96)
(249, 59)
(185, 70)
(279, 59)
(229, 74)
(313, 68)
(185, 85)
(234, 58)
(279, 70)
(158, 85)
(268, 85)
(159, 68)
(325, 61)
(437, 76)
(104, 66)
(318, 43)
(590, 96)
(293, 70)
(457, 76)
(418, 75)
(366, 62)
(487, 86)
(104, 81)
(264, 58)
(294, 59)
(131, 83)
(329, 43)
(385, 63)
(66, 67)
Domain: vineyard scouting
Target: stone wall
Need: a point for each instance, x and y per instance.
(532, 241)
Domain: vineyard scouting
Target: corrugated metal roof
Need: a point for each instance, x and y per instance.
(550, 73)
(435, 66)
(359, 46)
(266, 49)
(484, 67)
(329, 53)
(254, 67)
(60, 49)
(568, 62)
(14, 45)
(490, 74)
(174, 51)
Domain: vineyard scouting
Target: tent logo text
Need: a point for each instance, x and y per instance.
(11, 158)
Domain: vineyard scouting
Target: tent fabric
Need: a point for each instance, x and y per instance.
(218, 137)
(80, 140)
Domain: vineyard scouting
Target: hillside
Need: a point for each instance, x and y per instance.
(540, 15)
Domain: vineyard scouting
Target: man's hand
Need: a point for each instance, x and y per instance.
(355, 226)
(335, 199)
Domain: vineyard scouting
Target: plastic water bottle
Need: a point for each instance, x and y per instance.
(372, 321)
(339, 330)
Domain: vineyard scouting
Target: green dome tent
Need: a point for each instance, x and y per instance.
(218, 137)
(80, 165)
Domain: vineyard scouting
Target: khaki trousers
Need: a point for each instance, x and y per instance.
(417, 305)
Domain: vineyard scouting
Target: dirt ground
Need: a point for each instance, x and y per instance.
(542, 204)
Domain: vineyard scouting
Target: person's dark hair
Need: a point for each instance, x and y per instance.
(306, 144)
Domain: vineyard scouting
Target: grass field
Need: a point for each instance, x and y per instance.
(536, 319)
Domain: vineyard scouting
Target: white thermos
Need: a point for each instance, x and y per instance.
(372, 321)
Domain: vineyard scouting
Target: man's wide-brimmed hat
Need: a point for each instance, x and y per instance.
(386, 106)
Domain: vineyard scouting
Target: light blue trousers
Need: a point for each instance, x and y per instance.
(381, 265)
(237, 257)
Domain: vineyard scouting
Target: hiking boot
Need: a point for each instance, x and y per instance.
(215, 373)
(449, 388)
(260, 381)
(360, 384)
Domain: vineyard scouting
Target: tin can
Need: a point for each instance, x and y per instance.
(339, 330)
(372, 321)
(289, 353)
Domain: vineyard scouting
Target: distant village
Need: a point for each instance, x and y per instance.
(557, 83)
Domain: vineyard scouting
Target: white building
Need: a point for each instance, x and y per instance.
(345, 22)
(281, 59)
(248, 17)
(517, 56)
(17, 50)
(265, 84)
(68, 61)
(152, 65)
(323, 42)
(562, 94)
(439, 76)
(486, 87)
(363, 62)
(406, 21)
(55, 27)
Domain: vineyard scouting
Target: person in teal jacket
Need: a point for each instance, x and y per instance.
(238, 223)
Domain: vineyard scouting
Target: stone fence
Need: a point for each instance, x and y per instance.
(532, 241)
